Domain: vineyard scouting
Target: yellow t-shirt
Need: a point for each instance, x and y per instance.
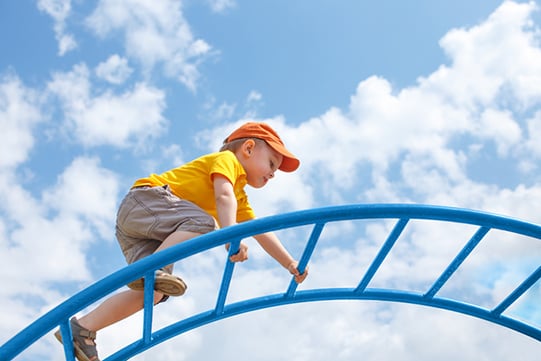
(193, 182)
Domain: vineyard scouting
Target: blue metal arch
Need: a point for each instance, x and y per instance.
(319, 218)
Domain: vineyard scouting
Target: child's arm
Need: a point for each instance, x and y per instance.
(226, 203)
(226, 207)
(272, 245)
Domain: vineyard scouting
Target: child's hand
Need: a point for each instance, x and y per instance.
(241, 255)
(292, 268)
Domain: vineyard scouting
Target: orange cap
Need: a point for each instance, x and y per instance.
(269, 135)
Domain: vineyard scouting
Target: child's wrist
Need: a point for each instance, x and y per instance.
(292, 266)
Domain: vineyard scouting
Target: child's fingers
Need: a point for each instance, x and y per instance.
(241, 255)
(295, 272)
(299, 278)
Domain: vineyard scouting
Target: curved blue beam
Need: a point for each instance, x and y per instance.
(60, 315)
(331, 294)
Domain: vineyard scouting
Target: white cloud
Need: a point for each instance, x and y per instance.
(155, 32)
(121, 120)
(534, 135)
(254, 96)
(416, 128)
(502, 51)
(221, 112)
(219, 6)
(502, 128)
(59, 10)
(86, 190)
(253, 102)
(227, 111)
(114, 70)
(19, 114)
(378, 128)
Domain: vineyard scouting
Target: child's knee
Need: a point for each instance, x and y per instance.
(140, 298)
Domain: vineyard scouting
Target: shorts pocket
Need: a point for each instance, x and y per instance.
(134, 219)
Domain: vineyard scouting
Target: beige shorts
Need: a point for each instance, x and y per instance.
(148, 215)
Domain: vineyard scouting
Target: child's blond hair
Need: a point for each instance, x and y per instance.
(234, 145)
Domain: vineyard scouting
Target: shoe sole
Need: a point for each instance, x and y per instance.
(169, 286)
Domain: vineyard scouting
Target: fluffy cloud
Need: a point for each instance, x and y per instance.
(121, 120)
(478, 99)
(115, 69)
(219, 6)
(501, 54)
(19, 114)
(534, 134)
(156, 33)
(59, 10)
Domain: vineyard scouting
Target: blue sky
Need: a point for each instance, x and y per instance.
(433, 102)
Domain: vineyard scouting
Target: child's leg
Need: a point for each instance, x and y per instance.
(176, 238)
(114, 309)
(124, 304)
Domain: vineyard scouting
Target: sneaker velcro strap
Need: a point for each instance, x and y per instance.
(88, 334)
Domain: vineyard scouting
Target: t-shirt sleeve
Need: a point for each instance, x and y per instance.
(227, 165)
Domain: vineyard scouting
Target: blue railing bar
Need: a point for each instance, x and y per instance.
(390, 211)
(453, 266)
(382, 254)
(86, 297)
(519, 291)
(150, 278)
(226, 279)
(390, 295)
(66, 332)
(306, 255)
(369, 294)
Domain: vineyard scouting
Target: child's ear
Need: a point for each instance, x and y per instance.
(248, 147)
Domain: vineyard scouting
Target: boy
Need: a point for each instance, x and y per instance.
(163, 210)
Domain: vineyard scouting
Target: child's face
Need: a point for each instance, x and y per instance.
(260, 163)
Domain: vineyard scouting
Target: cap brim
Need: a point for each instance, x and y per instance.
(290, 163)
